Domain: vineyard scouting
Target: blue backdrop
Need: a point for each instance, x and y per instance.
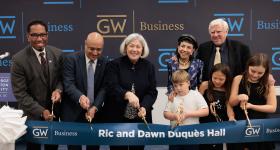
(254, 22)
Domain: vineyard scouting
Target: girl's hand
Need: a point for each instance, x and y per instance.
(243, 97)
(231, 119)
(243, 105)
(249, 105)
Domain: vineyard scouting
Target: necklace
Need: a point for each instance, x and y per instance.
(183, 63)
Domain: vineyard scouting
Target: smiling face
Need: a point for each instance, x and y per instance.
(134, 50)
(218, 34)
(37, 37)
(255, 73)
(94, 45)
(185, 50)
(218, 79)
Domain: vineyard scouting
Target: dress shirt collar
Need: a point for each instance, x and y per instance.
(38, 52)
(87, 60)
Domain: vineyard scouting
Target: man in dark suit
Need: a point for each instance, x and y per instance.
(233, 53)
(36, 77)
(81, 104)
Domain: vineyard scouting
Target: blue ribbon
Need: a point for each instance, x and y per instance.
(138, 134)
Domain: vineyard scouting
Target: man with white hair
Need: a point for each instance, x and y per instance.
(222, 50)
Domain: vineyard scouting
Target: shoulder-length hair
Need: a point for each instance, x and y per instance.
(130, 38)
(259, 59)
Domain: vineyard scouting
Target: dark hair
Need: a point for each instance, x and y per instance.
(227, 85)
(189, 39)
(35, 22)
(259, 59)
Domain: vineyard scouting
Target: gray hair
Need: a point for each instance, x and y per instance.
(132, 37)
(219, 21)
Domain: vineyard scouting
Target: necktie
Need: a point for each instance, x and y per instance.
(217, 56)
(44, 64)
(90, 82)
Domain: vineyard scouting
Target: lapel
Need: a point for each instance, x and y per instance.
(97, 71)
(33, 60)
(210, 51)
(83, 69)
(231, 53)
(208, 60)
(50, 60)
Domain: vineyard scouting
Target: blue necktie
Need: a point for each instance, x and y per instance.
(90, 82)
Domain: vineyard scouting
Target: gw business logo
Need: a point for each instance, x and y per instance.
(60, 27)
(58, 2)
(275, 58)
(172, 1)
(7, 26)
(164, 55)
(253, 131)
(40, 132)
(112, 26)
(235, 22)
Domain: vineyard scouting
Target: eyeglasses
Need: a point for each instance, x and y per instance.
(42, 35)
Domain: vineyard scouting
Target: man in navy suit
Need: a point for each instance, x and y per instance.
(80, 104)
(37, 78)
(233, 53)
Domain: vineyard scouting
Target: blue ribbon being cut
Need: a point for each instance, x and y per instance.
(138, 134)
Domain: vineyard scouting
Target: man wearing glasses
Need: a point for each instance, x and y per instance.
(37, 79)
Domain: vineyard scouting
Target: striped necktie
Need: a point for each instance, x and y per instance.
(44, 64)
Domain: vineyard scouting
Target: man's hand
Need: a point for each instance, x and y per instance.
(91, 113)
(56, 96)
(47, 115)
(84, 102)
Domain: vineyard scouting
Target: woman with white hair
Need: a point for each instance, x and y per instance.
(131, 85)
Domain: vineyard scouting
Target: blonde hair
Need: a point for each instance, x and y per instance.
(180, 76)
(132, 37)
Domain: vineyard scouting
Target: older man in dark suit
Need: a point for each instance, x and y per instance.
(36, 77)
(222, 50)
(83, 82)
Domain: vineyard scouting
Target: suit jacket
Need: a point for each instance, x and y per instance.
(30, 87)
(75, 83)
(120, 75)
(237, 59)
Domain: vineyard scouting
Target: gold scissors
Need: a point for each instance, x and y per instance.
(246, 114)
(213, 111)
(52, 113)
(89, 119)
(145, 121)
(180, 110)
